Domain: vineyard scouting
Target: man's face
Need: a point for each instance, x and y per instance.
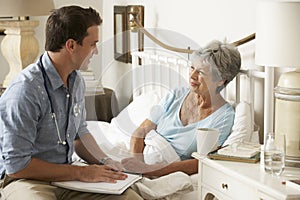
(88, 48)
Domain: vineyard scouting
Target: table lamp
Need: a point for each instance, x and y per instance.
(19, 46)
(278, 45)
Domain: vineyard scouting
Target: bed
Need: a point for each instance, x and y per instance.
(153, 74)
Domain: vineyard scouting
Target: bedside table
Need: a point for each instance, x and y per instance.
(227, 180)
(102, 106)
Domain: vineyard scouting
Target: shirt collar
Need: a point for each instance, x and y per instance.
(52, 74)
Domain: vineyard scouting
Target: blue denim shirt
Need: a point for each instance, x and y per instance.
(27, 128)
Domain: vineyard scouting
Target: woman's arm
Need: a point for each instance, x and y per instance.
(187, 166)
(137, 144)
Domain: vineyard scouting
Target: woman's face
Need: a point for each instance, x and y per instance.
(201, 79)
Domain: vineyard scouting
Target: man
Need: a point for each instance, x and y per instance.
(42, 117)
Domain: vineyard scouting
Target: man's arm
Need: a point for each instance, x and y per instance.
(87, 148)
(41, 170)
(137, 144)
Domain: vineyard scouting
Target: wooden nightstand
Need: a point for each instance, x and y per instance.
(235, 180)
(101, 107)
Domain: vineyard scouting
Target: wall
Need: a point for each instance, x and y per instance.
(39, 33)
(197, 21)
(179, 23)
(191, 23)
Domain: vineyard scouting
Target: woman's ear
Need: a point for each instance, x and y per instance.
(221, 82)
(220, 85)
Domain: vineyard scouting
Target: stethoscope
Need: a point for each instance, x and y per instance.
(41, 66)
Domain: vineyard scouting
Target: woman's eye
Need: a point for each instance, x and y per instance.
(199, 71)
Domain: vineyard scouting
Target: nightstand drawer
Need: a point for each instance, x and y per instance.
(225, 184)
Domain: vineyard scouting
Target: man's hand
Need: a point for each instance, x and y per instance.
(99, 173)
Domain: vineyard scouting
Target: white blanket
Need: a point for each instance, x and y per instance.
(158, 150)
(114, 140)
(115, 143)
(172, 186)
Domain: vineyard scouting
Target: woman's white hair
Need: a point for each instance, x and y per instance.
(223, 58)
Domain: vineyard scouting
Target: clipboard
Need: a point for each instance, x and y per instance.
(100, 187)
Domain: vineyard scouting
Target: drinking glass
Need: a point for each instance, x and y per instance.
(278, 155)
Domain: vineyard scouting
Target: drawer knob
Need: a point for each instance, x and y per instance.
(224, 186)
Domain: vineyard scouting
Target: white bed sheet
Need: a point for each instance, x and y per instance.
(114, 137)
(115, 143)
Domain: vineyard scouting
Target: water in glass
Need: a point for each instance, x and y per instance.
(278, 163)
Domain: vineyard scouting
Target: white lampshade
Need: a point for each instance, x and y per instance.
(16, 8)
(278, 34)
(278, 45)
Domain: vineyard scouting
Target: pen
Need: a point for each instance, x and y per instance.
(130, 172)
(126, 172)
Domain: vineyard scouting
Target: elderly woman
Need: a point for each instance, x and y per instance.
(186, 109)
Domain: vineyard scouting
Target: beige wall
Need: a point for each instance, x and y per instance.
(198, 21)
(39, 32)
(192, 23)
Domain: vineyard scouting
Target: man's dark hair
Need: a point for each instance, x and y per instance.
(69, 22)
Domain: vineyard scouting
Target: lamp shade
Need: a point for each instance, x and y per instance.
(278, 34)
(16, 8)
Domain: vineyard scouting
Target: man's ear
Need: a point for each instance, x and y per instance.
(70, 45)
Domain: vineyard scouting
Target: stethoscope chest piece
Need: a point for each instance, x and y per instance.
(76, 109)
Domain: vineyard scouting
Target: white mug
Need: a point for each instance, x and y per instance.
(207, 140)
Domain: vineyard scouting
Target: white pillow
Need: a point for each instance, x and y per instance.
(241, 129)
(137, 111)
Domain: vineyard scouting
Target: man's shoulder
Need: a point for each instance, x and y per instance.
(30, 75)
(27, 82)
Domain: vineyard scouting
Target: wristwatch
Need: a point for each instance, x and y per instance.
(103, 160)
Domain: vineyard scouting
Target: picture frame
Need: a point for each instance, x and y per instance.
(121, 36)
(122, 33)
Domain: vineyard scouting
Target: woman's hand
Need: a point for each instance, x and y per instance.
(137, 166)
(99, 173)
(117, 166)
